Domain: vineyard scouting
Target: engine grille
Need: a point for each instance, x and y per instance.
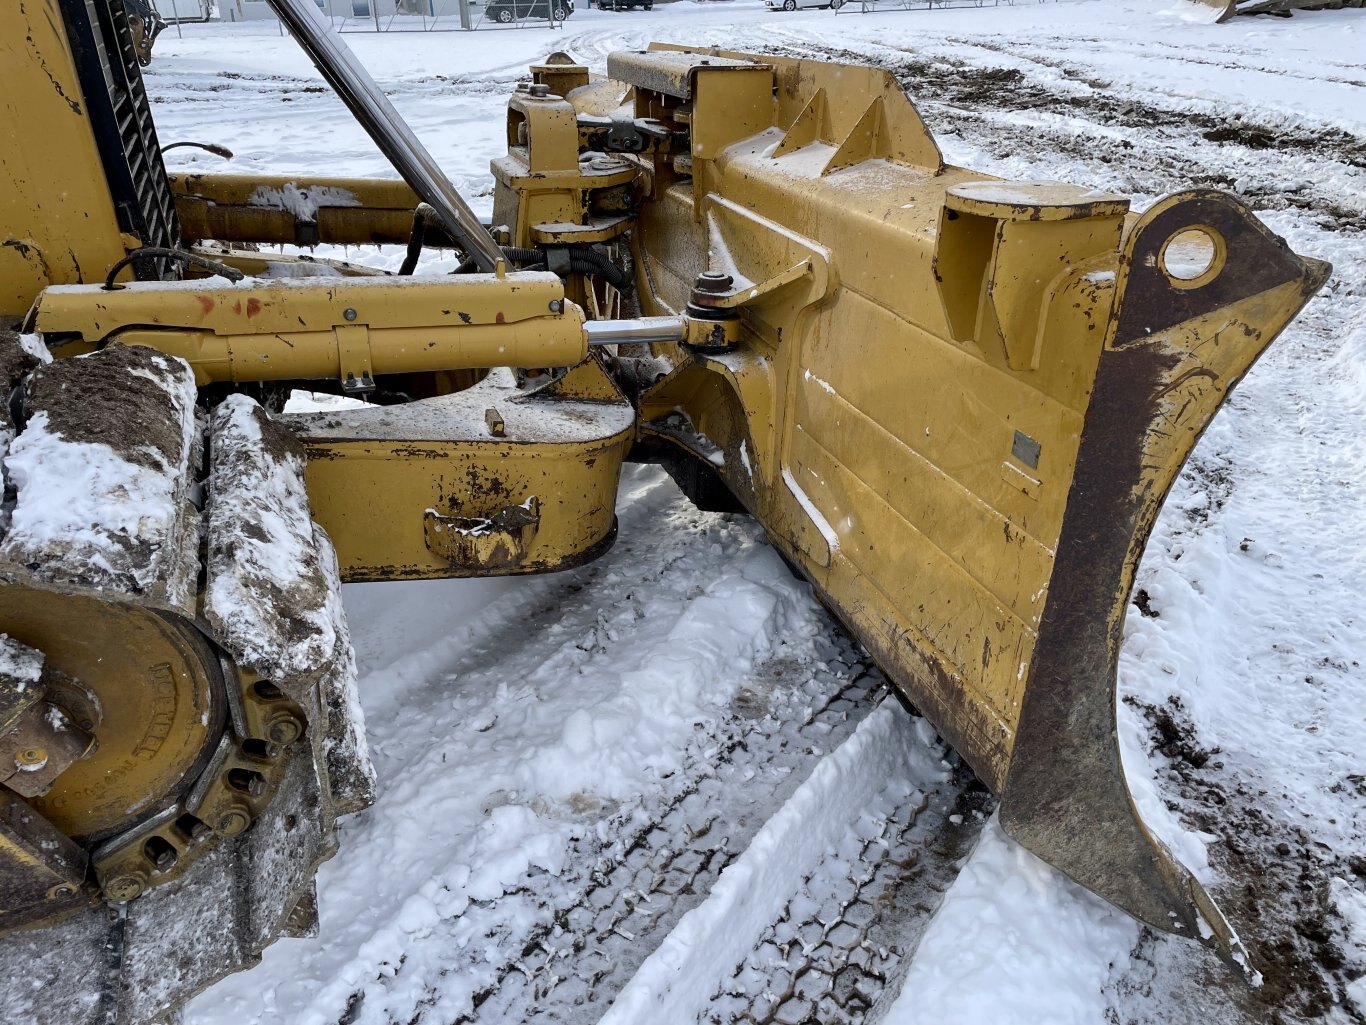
(121, 118)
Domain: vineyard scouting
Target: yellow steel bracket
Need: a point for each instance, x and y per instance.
(353, 357)
(488, 543)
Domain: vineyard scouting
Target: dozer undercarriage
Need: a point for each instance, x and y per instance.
(956, 404)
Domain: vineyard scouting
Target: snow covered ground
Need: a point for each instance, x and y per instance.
(537, 739)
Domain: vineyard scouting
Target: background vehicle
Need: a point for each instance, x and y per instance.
(507, 11)
(1283, 8)
(145, 24)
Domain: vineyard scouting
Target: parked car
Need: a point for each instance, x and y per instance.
(507, 11)
(625, 5)
(792, 5)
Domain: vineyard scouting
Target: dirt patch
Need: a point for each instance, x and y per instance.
(1280, 898)
(1176, 736)
(14, 364)
(949, 89)
(121, 397)
(1144, 602)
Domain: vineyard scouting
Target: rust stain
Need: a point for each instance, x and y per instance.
(253, 307)
(205, 304)
(499, 319)
(237, 307)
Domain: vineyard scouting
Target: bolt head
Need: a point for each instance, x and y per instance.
(233, 823)
(284, 730)
(125, 887)
(31, 756)
(61, 891)
(349, 313)
(539, 90)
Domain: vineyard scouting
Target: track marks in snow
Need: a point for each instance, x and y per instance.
(578, 737)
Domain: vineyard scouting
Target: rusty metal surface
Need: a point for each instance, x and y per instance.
(38, 746)
(1174, 354)
(491, 543)
(671, 72)
(42, 871)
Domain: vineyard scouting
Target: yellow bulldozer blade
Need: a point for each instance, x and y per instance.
(1223, 9)
(958, 406)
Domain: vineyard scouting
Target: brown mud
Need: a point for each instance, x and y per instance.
(951, 91)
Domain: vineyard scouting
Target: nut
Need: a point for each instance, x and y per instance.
(61, 891)
(714, 281)
(125, 887)
(233, 822)
(283, 728)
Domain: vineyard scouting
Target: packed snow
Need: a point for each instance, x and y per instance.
(19, 663)
(506, 715)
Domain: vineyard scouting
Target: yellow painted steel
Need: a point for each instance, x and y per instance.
(57, 221)
(957, 404)
(304, 209)
(424, 490)
(329, 327)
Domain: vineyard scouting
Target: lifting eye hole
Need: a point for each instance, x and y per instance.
(1193, 256)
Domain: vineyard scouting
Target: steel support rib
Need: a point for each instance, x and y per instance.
(387, 128)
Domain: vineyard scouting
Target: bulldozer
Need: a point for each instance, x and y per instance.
(1226, 10)
(954, 403)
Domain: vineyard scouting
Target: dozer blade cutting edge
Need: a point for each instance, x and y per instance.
(1174, 349)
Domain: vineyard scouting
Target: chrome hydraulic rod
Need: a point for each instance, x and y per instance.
(387, 128)
(643, 331)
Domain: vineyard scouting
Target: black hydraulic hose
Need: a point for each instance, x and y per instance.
(592, 262)
(422, 216)
(179, 255)
(582, 259)
(523, 254)
(210, 147)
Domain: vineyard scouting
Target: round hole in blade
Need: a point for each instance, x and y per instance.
(1193, 256)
